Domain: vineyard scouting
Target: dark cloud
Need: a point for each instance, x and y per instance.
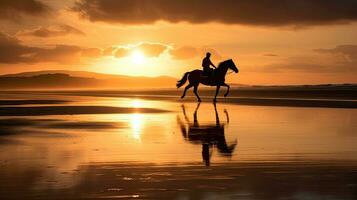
(15, 9)
(52, 31)
(252, 12)
(12, 51)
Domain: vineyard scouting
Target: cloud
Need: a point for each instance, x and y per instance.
(156, 49)
(109, 51)
(188, 52)
(151, 49)
(51, 31)
(270, 55)
(15, 9)
(347, 50)
(92, 52)
(252, 12)
(121, 52)
(340, 59)
(148, 49)
(301, 66)
(12, 51)
(183, 53)
(59, 53)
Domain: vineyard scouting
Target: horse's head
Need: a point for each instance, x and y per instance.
(232, 66)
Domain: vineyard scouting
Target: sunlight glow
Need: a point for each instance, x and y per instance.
(137, 57)
(136, 103)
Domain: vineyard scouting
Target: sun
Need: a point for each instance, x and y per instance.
(137, 57)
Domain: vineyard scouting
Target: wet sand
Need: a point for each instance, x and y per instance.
(137, 148)
(255, 97)
(268, 180)
(71, 110)
(31, 101)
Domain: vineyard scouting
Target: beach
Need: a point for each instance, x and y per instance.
(96, 145)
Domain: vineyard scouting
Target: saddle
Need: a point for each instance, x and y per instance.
(209, 75)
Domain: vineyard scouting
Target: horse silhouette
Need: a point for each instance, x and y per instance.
(196, 77)
(210, 135)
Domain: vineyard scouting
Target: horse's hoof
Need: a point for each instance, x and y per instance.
(182, 97)
(225, 95)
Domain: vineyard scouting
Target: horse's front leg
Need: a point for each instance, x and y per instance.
(226, 85)
(195, 88)
(217, 90)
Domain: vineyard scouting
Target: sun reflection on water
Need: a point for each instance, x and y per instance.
(136, 123)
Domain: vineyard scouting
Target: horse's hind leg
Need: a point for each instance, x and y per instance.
(186, 88)
(195, 91)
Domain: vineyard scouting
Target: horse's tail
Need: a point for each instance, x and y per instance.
(183, 80)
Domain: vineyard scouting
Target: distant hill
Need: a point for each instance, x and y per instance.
(80, 79)
(65, 79)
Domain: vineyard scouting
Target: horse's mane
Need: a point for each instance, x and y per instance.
(224, 62)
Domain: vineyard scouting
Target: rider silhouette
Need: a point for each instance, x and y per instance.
(206, 63)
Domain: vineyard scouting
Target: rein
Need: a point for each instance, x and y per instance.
(230, 72)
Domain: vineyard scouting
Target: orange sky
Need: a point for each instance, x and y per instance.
(294, 42)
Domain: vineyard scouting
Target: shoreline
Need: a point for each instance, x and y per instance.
(171, 95)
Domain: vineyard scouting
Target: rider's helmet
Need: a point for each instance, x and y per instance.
(208, 54)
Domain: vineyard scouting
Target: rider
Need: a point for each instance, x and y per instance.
(206, 63)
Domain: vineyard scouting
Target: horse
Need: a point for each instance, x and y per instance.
(196, 77)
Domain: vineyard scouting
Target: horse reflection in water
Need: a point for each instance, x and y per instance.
(210, 136)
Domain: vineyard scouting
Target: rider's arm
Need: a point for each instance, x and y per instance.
(212, 64)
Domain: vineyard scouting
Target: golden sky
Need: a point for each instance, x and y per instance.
(272, 42)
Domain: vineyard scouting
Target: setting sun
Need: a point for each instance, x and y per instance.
(137, 57)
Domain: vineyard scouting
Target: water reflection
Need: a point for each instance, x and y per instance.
(210, 135)
(136, 121)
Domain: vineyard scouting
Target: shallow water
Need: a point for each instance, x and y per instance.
(178, 153)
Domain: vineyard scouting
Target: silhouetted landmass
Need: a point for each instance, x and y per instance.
(46, 81)
(80, 80)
